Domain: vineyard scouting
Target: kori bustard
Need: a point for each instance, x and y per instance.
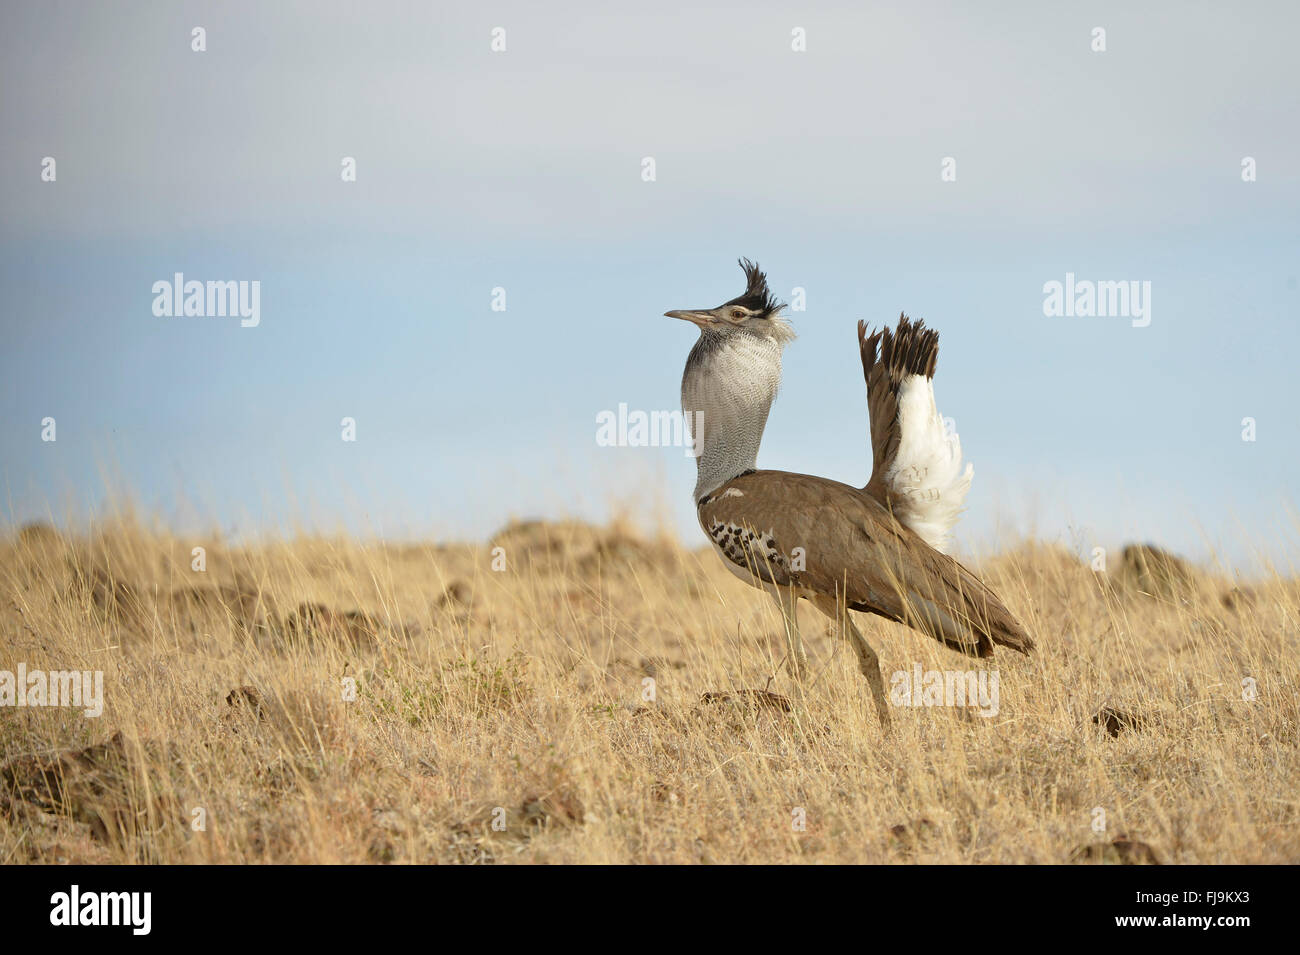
(876, 549)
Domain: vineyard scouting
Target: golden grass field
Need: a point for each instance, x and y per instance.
(499, 716)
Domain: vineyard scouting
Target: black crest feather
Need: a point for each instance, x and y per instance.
(757, 297)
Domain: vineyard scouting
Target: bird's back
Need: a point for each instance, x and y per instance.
(826, 537)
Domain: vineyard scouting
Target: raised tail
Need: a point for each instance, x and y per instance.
(917, 467)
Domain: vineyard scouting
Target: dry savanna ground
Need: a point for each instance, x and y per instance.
(608, 697)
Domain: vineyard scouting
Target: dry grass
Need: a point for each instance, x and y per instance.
(499, 716)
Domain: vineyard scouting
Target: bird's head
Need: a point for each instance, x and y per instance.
(756, 311)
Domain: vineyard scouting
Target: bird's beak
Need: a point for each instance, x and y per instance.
(700, 317)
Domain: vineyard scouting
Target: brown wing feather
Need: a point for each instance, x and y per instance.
(889, 356)
(820, 535)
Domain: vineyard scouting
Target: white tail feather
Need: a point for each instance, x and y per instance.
(926, 481)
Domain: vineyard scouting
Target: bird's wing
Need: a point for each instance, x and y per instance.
(829, 538)
(916, 461)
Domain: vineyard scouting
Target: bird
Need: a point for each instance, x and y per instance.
(877, 549)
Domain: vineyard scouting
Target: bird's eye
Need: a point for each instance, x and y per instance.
(737, 313)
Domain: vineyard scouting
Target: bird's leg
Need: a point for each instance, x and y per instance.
(787, 599)
(868, 662)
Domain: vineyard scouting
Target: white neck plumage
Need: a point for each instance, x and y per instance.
(730, 381)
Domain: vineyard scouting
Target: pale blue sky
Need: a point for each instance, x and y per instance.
(522, 169)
